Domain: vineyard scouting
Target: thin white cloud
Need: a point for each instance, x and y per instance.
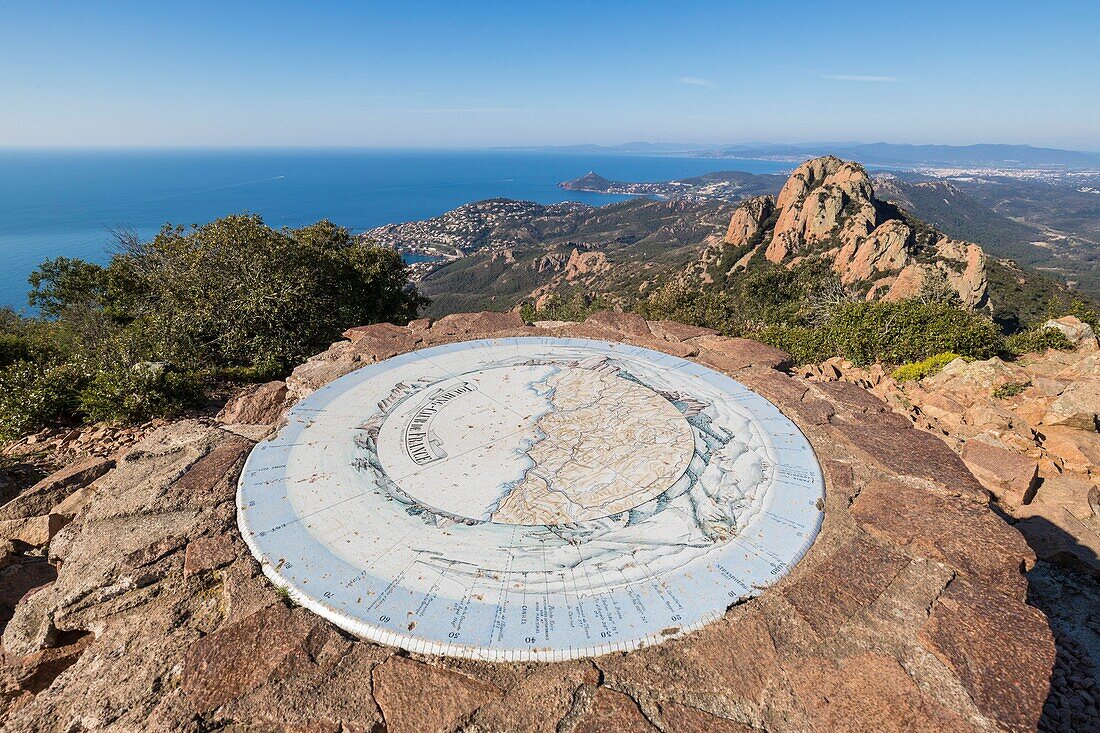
(453, 110)
(696, 81)
(858, 77)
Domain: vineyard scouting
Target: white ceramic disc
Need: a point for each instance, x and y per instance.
(530, 498)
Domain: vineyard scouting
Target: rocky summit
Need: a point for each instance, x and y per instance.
(827, 208)
(130, 601)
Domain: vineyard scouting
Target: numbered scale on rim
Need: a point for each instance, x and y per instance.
(530, 498)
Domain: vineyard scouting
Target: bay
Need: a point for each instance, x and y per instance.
(66, 202)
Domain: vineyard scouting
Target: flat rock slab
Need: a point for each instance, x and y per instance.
(908, 613)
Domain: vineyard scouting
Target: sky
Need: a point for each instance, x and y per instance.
(477, 74)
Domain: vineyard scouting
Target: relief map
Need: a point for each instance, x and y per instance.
(530, 499)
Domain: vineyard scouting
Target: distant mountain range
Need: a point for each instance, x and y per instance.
(871, 154)
(889, 154)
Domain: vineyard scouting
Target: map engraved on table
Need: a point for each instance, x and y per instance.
(530, 498)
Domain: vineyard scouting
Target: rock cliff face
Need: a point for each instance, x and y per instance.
(131, 602)
(827, 208)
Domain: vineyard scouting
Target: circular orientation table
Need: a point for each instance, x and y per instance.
(530, 498)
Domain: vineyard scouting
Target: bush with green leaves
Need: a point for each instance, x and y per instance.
(920, 369)
(576, 307)
(765, 297)
(897, 332)
(804, 311)
(33, 395)
(236, 292)
(231, 299)
(140, 392)
(1036, 340)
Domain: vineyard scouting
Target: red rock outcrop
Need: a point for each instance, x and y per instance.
(908, 613)
(827, 208)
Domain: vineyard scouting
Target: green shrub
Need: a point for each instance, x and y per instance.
(140, 392)
(904, 331)
(12, 349)
(806, 344)
(921, 369)
(678, 302)
(806, 312)
(235, 291)
(1037, 339)
(1010, 389)
(232, 300)
(556, 308)
(33, 396)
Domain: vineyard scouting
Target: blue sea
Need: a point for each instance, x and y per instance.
(55, 203)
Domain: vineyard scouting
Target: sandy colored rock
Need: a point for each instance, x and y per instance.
(911, 452)
(963, 377)
(959, 532)
(317, 371)
(33, 531)
(845, 582)
(722, 665)
(613, 711)
(869, 693)
(585, 266)
(673, 331)
(207, 553)
(230, 662)
(1010, 477)
(31, 628)
(886, 248)
(21, 576)
(52, 490)
(539, 701)
(733, 354)
(627, 324)
(827, 208)
(964, 630)
(381, 341)
(213, 467)
(422, 698)
(35, 672)
(748, 219)
(75, 502)
(1072, 494)
(1080, 334)
(257, 405)
(1075, 450)
(1077, 407)
(1058, 536)
(686, 719)
(477, 324)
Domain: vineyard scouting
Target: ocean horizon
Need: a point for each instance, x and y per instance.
(66, 202)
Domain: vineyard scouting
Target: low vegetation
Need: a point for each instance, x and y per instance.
(1037, 339)
(149, 333)
(808, 312)
(926, 368)
(1010, 389)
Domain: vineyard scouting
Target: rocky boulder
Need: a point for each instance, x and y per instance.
(1079, 333)
(749, 219)
(827, 208)
(909, 612)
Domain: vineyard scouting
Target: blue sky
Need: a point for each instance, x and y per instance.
(412, 74)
